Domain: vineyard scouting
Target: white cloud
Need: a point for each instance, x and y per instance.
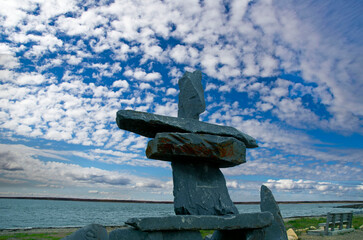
(308, 186)
(234, 49)
(19, 165)
(144, 86)
(172, 91)
(8, 60)
(140, 74)
(169, 109)
(121, 84)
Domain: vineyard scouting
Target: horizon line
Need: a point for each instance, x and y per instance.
(167, 202)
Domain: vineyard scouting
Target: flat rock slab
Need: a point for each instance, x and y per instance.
(187, 222)
(277, 229)
(148, 125)
(200, 189)
(217, 150)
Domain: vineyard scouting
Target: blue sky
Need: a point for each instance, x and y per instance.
(288, 73)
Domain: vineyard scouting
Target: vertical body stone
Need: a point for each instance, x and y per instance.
(199, 189)
(276, 231)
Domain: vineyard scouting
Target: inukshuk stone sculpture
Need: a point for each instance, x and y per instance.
(196, 150)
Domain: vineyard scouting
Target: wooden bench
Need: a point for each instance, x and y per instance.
(337, 219)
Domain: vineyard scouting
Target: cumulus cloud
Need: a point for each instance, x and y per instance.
(140, 74)
(24, 165)
(308, 186)
(66, 70)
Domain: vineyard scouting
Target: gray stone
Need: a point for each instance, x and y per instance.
(134, 234)
(215, 150)
(148, 125)
(277, 229)
(182, 235)
(200, 189)
(191, 97)
(127, 234)
(255, 234)
(246, 221)
(89, 232)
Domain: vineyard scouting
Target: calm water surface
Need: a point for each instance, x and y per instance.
(20, 213)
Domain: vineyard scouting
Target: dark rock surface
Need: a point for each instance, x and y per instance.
(134, 234)
(277, 229)
(148, 125)
(200, 189)
(127, 234)
(216, 150)
(182, 235)
(257, 234)
(231, 222)
(89, 232)
(191, 97)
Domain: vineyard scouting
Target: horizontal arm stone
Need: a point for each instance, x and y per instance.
(197, 148)
(203, 222)
(148, 125)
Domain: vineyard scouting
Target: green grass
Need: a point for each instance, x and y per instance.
(32, 236)
(301, 224)
(206, 232)
(357, 221)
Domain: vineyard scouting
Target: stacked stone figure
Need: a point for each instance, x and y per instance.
(197, 150)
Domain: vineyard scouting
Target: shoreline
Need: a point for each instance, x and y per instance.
(63, 229)
(171, 202)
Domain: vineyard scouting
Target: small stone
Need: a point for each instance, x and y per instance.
(191, 96)
(200, 189)
(216, 150)
(291, 234)
(89, 232)
(192, 222)
(277, 230)
(148, 125)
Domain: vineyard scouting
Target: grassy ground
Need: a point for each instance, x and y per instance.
(300, 226)
(35, 236)
(308, 222)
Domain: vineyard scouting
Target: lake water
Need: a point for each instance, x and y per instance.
(21, 213)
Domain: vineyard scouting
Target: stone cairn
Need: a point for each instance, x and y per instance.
(197, 150)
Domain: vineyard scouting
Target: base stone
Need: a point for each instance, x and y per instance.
(200, 189)
(134, 234)
(127, 234)
(246, 221)
(258, 234)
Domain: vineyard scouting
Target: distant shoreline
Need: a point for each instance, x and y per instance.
(165, 202)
